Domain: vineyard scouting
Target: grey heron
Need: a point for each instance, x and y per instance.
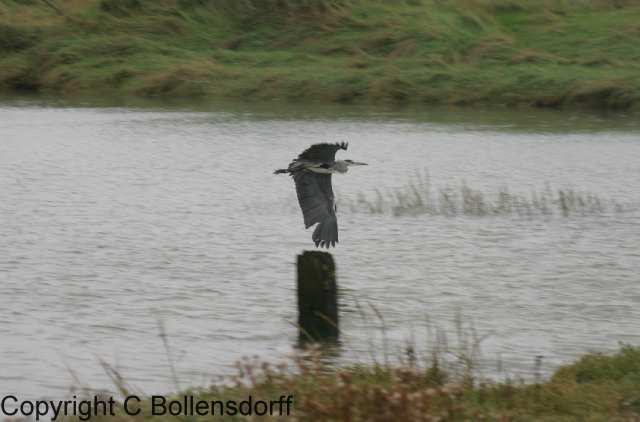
(311, 172)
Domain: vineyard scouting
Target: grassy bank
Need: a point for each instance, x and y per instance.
(595, 388)
(541, 53)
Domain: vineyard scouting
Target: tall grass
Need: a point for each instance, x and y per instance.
(441, 384)
(15, 38)
(276, 6)
(595, 388)
(541, 53)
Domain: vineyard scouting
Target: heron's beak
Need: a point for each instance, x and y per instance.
(355, 163)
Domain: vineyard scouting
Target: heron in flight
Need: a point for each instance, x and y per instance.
(311, 172)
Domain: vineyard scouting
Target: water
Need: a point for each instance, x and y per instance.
(114, 219)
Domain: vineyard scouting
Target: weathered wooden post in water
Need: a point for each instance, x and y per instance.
(317, 296)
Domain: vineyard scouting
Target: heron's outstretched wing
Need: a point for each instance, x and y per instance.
(322, 152)
(315, 196)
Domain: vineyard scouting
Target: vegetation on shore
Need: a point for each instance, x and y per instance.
(595, 388)
(544, 53)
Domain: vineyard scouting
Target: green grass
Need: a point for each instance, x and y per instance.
(541, 53)
(595, 388)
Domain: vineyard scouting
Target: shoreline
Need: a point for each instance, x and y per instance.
(594, 387)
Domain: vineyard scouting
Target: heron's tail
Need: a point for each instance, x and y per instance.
(326, 233)
(280, 171)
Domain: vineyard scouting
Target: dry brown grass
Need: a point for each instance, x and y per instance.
(184, 79)
(595, 388)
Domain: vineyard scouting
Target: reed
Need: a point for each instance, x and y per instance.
(419, 197)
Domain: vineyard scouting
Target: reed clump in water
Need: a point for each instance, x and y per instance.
(419, 197)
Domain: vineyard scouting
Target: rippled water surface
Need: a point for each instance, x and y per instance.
(115, 218)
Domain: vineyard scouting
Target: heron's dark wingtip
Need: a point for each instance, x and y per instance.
(325, 243)
(326, 233)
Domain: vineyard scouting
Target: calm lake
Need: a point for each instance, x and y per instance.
(115, 219)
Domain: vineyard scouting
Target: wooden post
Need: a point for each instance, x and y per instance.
(317, 297)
